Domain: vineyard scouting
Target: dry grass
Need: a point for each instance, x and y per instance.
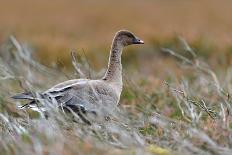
(186, 115)
(176, 100)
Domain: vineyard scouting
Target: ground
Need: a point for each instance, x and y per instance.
(177, 87)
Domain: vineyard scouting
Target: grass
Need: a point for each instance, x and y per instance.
(176, 100)
(187, 112)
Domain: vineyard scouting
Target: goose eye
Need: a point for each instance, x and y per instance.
(137, 41)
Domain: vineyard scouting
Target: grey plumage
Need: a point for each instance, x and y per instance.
(81, 95)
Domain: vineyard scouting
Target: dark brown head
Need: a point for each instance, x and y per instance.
(127, 38)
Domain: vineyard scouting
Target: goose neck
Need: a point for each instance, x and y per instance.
(114, 71)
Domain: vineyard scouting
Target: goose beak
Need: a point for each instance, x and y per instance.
(138, 41)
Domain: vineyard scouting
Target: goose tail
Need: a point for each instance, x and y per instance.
(26, 95)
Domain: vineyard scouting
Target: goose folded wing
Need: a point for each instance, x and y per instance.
(77, 98)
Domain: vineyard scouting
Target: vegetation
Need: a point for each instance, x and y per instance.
(176, 97)
(186, 112)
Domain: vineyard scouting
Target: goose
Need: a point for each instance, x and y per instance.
(78, 94)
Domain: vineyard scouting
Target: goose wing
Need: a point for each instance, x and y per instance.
(57, 92)
(77, 94)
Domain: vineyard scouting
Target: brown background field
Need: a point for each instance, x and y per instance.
(168, 104)
(56, 27)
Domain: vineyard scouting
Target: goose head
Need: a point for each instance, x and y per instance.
(126, 38)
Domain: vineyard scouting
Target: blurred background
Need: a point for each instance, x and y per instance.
(54, 28)
(180, 103)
